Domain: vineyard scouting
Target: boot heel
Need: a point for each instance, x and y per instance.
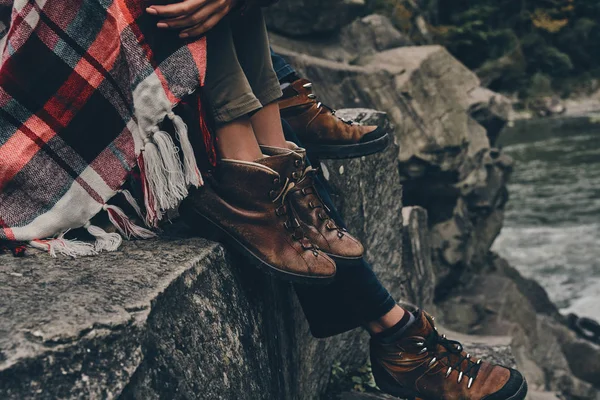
(389, 385)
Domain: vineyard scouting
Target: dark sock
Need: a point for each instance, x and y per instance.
(394, 333)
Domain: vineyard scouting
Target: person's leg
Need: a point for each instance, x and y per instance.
(258, 67)
(356, 297)
(240, 201)
(230, 96)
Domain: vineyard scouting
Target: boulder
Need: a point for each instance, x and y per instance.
(417, 258)
(311, 17)
(493, 304)
(365, 36)
(181, 317)
(491, 110)
(371, 34)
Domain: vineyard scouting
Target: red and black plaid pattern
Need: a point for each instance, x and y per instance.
(80, 81)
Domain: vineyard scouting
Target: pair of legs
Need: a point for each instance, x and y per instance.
(409, 358)
(242, 88)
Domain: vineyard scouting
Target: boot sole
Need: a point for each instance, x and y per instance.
(342, 151)
(521, 393)
(407, 394)
(342, 258)
(218, 234)
(395, 389)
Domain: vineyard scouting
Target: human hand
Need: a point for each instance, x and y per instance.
(193, 17)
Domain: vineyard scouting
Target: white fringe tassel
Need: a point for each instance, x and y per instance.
(192, 173)
(132, 202)
(104, 241)
(60, 245)
(173, 170)
(125, 225)
(155, 174)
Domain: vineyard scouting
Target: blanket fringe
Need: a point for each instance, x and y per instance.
(60, 245)
(191, 171)
(127, 228)
(153, 213)
(132, 202)
(172, 173)
(155, 174)
(104, 241)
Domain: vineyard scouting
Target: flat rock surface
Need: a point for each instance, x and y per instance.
(50, 301)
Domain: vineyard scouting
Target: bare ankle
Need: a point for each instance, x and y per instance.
(236, 140)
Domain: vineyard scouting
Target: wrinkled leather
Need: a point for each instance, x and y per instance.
(239, 197)
(402, 362)
(307, 205)
(314, 122)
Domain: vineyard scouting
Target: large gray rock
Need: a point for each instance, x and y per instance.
(365, 36)
(158, 319)
(306, 17)
(491, 110)
(494, 304)
(417, 258)
(182, 318)
(371, 34)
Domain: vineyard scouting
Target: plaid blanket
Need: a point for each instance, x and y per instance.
(84, 85)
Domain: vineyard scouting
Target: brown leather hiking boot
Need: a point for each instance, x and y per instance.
(246, 204)
(307, 205)
(426, 365)
(324, 134)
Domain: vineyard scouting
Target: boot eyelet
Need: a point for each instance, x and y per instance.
(272, 194)
(298, 163)
(340, 234)
(295, 175)
(331, 227)
(279, 211)
(276, 181)
(311, 205)
(315, 253)
(322, 216)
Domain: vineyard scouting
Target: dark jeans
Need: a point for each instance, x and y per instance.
(354, 298)
(281, 67)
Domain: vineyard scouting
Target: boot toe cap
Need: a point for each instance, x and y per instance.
(371, 133)
(346, 247)
(515, 388)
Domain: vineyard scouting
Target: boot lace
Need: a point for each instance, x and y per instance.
(323, 214)
(291, 224)
(320, 105)
(454, 349)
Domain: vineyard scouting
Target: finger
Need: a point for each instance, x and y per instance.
(194, 19)
(204, 27)
(176, 10)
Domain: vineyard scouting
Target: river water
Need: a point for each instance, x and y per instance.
(552, 227)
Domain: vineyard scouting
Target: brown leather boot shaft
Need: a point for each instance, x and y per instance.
(248, 202)
(308, 206)
(313, 121)
(424, 364)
